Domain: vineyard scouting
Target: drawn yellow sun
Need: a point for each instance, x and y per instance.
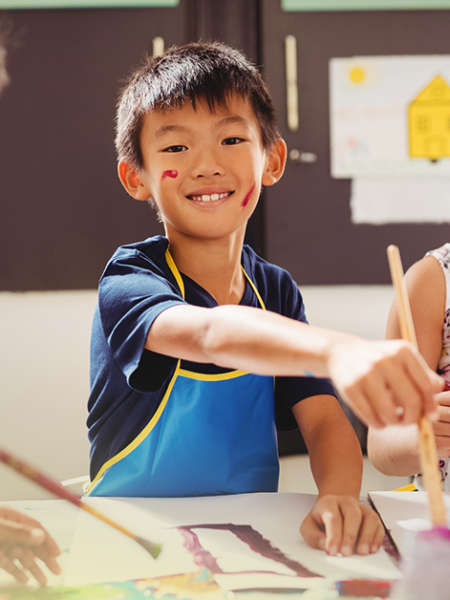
(357, 74)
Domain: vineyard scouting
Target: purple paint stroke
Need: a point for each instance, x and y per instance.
(254, 540)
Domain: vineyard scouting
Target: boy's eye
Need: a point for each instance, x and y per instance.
(232, 141)
(175, 149)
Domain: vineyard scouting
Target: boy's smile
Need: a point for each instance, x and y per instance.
(203, 168)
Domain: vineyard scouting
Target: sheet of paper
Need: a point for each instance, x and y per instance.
(399, 200)
(404, 513)
(100, 553)
(388, 116)
(249, 540)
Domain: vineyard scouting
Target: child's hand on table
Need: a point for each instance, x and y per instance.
(385, 382)
(341, 524)
(22, 540)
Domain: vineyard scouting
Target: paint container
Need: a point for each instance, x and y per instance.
(425, 565)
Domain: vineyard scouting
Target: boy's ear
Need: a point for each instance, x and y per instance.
(276, 162)
(132, 182)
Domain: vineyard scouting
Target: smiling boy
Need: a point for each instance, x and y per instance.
(199, 346)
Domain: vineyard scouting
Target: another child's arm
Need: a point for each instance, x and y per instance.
(23, 539)
(384, 382)
(394, 450)
(338, 522)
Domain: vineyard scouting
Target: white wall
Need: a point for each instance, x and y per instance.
(44, 370)
(44, 384)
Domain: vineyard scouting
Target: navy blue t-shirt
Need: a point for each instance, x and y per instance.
(128, 382)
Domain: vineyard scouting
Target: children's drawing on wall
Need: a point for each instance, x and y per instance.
(390, 133)
(429, 122)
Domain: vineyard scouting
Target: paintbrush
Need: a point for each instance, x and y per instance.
(58, 490)
(427, 444)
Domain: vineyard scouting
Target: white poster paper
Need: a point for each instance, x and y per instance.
(248, 540)
(390, 116)
(400, 200)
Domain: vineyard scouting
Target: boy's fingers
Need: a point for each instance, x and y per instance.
(27, 559)
(381, 401)
(443, 399)
(352, 516)
(48, 558)
(8, 565)
(332, 523)
(312, 533)
(48, 549)
(371, 533)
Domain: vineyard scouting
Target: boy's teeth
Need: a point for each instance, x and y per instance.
(209, 197)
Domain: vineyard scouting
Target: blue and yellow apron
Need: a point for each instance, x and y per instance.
(212, 434)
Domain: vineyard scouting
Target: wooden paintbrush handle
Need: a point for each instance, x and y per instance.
(427, 442)
(430, 471)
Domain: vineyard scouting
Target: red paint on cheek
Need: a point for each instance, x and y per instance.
(248, 196)
(171, 174)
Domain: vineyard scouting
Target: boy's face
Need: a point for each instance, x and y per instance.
(204, 169)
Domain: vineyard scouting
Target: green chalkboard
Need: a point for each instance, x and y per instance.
(325, 5)
(22, 4)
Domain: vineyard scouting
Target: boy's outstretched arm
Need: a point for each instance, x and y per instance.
(338, 523)
(384, 382)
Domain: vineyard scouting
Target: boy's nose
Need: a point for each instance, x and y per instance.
(207, 165)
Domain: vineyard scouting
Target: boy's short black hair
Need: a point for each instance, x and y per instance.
(197, 71)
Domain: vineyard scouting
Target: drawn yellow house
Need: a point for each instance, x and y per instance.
(429, 121)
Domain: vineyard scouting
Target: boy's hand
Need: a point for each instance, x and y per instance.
(341, 524)
(442, 425)
(385, 383)
(22, 540)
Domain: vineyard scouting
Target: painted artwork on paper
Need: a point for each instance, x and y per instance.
(390, 116)
(276, 561)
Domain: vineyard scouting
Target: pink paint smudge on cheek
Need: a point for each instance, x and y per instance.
(172, 174)
(248, 196)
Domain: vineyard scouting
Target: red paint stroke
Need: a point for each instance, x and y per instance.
(254, 540)
(364, 588)
(172, 174)
(248, 196)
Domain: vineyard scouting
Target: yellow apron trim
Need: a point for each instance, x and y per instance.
(144, 433)
(176, 273)
(407, 488)
(211, 377)
(253, 286)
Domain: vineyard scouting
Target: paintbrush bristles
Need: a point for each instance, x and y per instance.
(153, 549)
(427, 443)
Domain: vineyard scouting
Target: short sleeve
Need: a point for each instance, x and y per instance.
(134, 289)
